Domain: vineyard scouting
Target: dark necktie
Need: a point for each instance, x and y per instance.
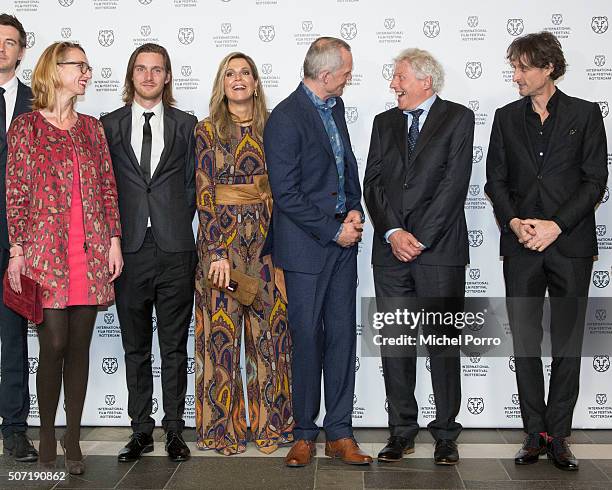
(2, 118)
(147, 139)
(413, 132)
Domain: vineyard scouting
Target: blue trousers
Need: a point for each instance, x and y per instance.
(322, 320)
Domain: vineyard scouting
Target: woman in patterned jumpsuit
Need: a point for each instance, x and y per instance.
(231, 235)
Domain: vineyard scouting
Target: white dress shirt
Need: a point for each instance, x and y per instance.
(157, 133)
(10, 97)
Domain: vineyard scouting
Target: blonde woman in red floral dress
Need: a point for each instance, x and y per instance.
(64, 232)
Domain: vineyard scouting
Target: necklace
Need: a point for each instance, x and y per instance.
(241, 121)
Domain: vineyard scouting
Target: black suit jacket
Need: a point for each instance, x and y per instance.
(23, 104)
(570, 182)
(169, 197)
(424, 195)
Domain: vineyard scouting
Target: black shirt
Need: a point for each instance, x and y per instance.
(539, 133)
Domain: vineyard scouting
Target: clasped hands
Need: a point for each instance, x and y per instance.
(405, 246)
(535, 234)
(352, 229)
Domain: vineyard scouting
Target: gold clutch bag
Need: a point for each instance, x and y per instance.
(243, 288)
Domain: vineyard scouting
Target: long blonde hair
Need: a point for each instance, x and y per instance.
(45, 77)
(220, 116)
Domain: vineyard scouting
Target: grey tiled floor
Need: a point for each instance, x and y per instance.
(486, 464)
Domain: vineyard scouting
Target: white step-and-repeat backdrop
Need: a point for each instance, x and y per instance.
(470, 40)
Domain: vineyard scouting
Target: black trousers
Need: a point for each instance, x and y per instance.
(527, 278)
(14, 391)
(152, 277)
(422, 281)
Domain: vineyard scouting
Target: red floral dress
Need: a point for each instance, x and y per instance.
(40, 174)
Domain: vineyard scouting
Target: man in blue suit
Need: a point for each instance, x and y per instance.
(316, 225)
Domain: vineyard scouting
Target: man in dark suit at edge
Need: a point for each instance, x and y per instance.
(316, 224)
(15, 99)
(546, 172)
(152, 147)
(416, 180)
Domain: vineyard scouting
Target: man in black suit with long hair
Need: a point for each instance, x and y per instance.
(546, 172)
(152, 147)
(416, 180)
(15, 99)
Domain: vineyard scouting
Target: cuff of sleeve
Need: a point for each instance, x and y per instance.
(115, 232)
(560, 224)
(218, 253)
(388, 234)
(337, 235)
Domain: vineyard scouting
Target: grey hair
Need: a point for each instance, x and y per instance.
(324, 55)
(423, 65)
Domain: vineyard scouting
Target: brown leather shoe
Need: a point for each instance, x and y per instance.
(348, 450)
(301, 453)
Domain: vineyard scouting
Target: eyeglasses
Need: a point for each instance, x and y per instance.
(84, 67)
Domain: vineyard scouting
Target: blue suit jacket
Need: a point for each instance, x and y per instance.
(304, 182)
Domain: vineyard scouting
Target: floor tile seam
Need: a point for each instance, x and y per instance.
(172, 476)
(504, 468)
(126, 474)
(594, 461)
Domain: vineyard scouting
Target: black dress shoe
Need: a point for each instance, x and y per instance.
(446, 452)
(533, 445)
(558, 450)
(139, 444)
(20, 447)
(396, 447)
(176, 448)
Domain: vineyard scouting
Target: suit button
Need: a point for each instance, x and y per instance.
(148, 190)
(539, 177)
(405, 186)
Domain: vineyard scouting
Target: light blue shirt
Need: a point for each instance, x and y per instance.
(324, 108)
(426, 106)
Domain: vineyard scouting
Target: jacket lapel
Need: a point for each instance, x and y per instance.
(522, 116)
(400, 132)
(436, 116)
(559, 125)
(125, 127)
(22, 104)
(169, 133)
(313, 113)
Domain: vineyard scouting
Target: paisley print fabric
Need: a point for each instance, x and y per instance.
(39, 173)
(237, 232)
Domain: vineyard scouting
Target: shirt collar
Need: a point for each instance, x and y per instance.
(138, 110)
(553, 102)
(10, 86)
(551, 105)
(425, 105)
(318, 102)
